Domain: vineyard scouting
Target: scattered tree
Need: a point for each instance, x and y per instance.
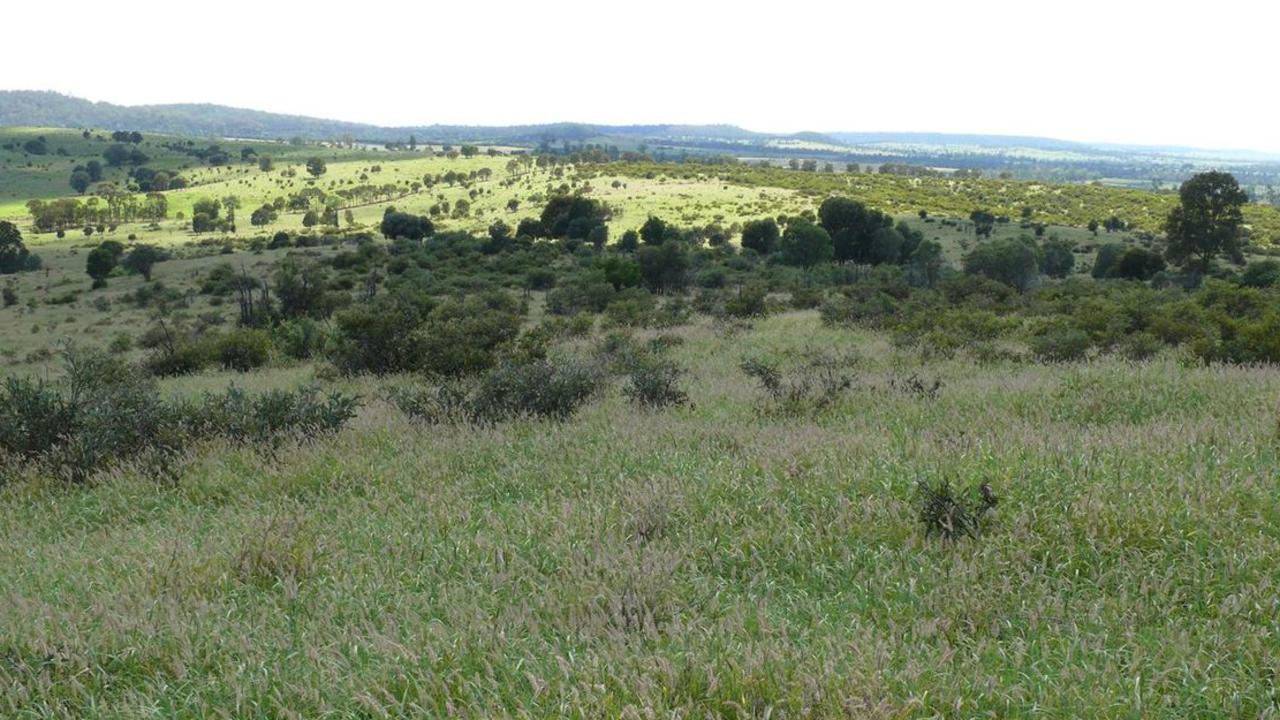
(1206, 223)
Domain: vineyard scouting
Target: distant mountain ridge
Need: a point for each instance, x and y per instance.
(51, 109)
(42, 108)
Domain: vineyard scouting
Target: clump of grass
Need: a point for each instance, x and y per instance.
(278, 552)
(950, 514)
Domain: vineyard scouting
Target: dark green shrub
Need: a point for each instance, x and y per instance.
(1137, 263)
(1060, 343)
(34, 417)
(539, 389)
(380, 336)
(806, 298)
(633, 307)
(465, 337)
(301, 339)
(1261, 274)
(1140, 346)
(543, 389)
(747, 301)
(181, 355)
(1009, 261)
(272, 416)
(101, 412)
(655, 383)
(243, 350)
(589, 292)
(952, 515)
(443, 403)
(873, 309)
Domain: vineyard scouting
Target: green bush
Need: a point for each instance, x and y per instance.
(1261, 274)
(272, 416)
(104, 411)
(1060, 343)
(380, 336)
(806, 298)
(1140, 346)
(301, 339)
(183, 356)
(243, 350)
(539, 389)
(655, 383)
(465, 337)
(543, 389)
(747, 301)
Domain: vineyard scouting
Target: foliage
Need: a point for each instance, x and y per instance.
(801, 382)
(1207, 221)
(13, 253)
(654, 382)
(951, 515)
(1010, 261)
(805, 244)
(539, 389)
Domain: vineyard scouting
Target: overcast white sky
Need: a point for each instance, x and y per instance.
(1202, 74)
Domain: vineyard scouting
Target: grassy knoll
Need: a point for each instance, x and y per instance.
(708, 560)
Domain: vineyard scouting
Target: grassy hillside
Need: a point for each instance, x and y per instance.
(513, 523)
(707, 560)
(691, 194)
(1057, 204)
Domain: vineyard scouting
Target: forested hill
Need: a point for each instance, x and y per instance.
(49, 109)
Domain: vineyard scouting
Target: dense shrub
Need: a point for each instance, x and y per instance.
(464, 337)
(747, 301)
(380, 336)
(179, 354)
(243, 349)
(104, 411)
(1060, 343)
(1009, 261)
(407, 332)
(806, 298)
(272, 416)
(654, 382)
(301, 339)
(539, 389)
(1261, 274)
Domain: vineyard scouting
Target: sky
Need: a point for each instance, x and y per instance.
(1122, 71)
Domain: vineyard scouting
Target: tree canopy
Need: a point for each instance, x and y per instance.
(1207, 221)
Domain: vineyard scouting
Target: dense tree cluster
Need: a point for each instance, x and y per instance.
(401, 225)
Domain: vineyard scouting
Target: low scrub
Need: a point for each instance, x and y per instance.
(799, 382)
(539, 389)
(654, 382)
(105, 411)
(950, 514)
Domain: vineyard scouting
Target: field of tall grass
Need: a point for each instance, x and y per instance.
(724, 557)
